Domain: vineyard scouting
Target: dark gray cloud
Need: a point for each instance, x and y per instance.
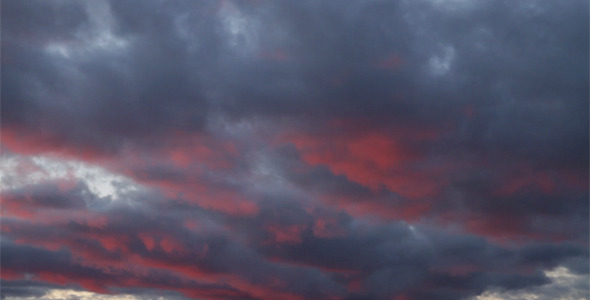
(379, 260)
(360, 150)
(169, 66)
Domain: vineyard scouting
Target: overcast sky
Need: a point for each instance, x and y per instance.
(305, 149)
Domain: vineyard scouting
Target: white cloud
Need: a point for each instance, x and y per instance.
(564, 285)
(58, 294)
(19, 171)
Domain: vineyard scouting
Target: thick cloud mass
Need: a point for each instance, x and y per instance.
(407, 150)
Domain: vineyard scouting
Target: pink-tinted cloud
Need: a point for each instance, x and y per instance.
(293, 150)
(373, 159)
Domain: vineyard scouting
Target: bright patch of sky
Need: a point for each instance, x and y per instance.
(59, 294)
(19, 171)
(564, 285)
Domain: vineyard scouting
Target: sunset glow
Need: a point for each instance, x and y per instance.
(294, 150)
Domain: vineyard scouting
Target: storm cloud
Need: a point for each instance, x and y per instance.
(429, 149)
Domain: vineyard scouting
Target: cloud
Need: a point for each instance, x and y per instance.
(99, 251)
(294, 150)
(564, 285)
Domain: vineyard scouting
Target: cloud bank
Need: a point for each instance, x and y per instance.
(294, 149)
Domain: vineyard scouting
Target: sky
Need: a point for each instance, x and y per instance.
(275, 149)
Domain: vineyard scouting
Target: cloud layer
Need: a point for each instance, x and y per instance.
(295, 149)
